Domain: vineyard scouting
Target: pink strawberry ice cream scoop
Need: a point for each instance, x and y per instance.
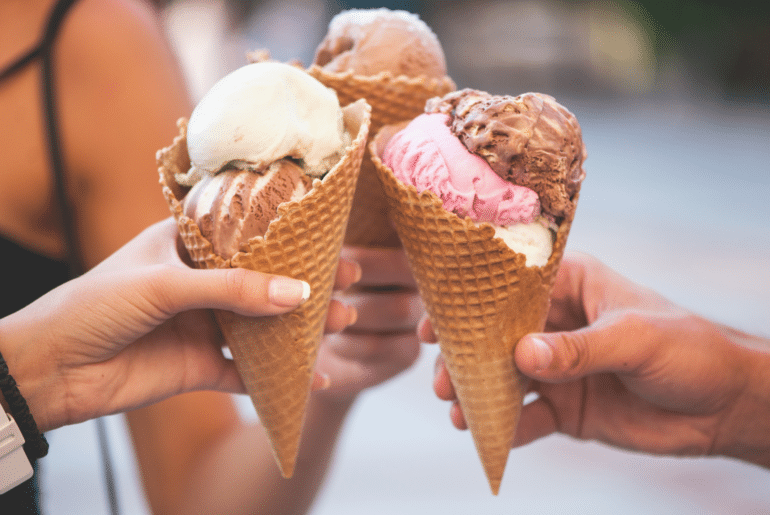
(428, 156)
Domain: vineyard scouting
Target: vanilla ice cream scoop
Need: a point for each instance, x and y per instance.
(260, 113)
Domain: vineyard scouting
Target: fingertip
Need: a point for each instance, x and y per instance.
(442, 383)
(339, 316)
(286, 292)
(425, 331)
(352, 315)
(538, 419)
(534, 354)
(457, 417)
(230, 380)
(321, 381)
(348, 273)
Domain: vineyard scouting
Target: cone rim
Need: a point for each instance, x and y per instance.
(386, 77)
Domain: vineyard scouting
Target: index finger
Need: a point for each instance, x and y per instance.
(425, 330)
(348, 273)
(381, 266)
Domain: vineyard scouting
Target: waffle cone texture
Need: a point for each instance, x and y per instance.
(481, 300)
(276, 355)
(393, 100)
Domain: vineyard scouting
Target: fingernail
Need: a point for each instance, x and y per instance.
(542, 352)
(352, 315)
(326, 381)
(358, 272)
(287, 292)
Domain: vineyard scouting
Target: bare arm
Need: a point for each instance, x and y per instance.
(239, 475)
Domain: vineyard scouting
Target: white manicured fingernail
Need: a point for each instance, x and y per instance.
(287, 292)
(305, 292)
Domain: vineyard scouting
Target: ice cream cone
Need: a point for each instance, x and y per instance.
(393, 100)
(276, 355)
(481, 299)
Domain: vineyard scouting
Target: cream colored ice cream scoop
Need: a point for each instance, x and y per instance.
(263, 112)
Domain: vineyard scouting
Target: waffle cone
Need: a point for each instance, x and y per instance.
(275, 355)
(393, 100)
(481, 300)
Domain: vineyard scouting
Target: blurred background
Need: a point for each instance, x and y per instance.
(674, 101)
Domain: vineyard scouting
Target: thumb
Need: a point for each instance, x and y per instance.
(621, 345)
(174, 289)
(244, 291)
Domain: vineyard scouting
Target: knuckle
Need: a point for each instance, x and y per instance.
(159, 280)
(236, 284)
(573, 355)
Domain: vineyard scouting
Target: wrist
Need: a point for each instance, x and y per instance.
(333, 403)
(26, 364)
(746, 431)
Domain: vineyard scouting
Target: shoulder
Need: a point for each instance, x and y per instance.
(115, 53)
(112, 22)
(119, 83)
(120, 91)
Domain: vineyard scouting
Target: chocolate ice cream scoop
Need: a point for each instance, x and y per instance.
(530, 140)
(234, 206)
(370, 41)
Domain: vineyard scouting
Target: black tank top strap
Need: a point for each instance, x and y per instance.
(44, 49)
(47, 49)
(20, 63)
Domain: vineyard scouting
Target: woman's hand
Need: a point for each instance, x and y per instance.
(624, 366)
(137, 329)
(382, 341)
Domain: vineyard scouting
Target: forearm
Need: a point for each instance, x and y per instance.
(171, 437)
(323, 425)
(746, 430)
(239, 474)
